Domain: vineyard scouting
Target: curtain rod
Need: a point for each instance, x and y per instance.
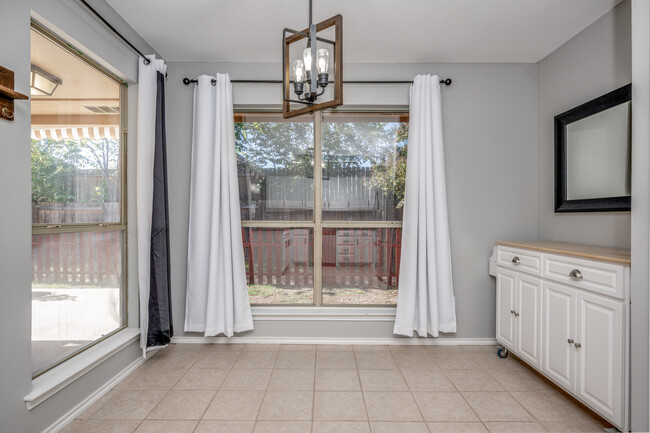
(118, 34)
(187, 81)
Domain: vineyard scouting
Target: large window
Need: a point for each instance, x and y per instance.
(78, 202)
(321, 202)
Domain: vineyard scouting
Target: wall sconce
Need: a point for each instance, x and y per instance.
(42, 83)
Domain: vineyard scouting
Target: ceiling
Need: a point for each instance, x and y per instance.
(383, 31)
(82, 85)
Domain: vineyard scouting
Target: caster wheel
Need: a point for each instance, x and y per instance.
(502, 352)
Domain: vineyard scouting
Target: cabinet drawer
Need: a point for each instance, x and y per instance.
(523, 260)
(598, 277)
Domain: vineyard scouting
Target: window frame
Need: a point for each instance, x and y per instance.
(119, 226)
(318, 224)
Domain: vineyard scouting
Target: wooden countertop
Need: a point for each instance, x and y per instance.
(598, 253)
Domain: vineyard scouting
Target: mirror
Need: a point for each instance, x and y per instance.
(593, 155)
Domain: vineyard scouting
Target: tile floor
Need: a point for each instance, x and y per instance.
(332, 389)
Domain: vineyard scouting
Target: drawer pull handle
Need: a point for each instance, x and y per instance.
(516, 260)
(570, 341)
(578, 345)
(576, 274)
(516, 314)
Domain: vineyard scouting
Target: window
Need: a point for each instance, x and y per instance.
(78, 202)
(328, 236)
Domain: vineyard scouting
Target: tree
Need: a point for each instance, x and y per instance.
(53, 163)
(390, 174)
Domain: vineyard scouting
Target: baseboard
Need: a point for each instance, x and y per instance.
(340, 341)
(66, 419)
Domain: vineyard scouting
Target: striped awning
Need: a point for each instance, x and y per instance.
(91, 132)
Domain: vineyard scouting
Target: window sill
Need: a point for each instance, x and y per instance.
(352, 314)
(48, 384)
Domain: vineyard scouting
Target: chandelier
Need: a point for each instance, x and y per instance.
(310, 74)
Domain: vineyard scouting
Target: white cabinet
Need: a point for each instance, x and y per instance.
(567, 317)
(518, 314)
(599, 353)
(559, 304)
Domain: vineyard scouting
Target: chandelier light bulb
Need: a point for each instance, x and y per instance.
(299, 70)
(322, 60)
(306, 56)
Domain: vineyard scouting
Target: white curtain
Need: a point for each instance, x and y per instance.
(217, 297)
(426, 295)
(146, 146)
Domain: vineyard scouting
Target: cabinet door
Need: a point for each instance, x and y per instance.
(599, 352)
(528, 319)
(506, 291)
(559, 334)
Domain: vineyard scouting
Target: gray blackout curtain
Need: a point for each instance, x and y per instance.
(153, 215)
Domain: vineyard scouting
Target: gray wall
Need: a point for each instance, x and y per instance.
(490, 133)
(591, 64)
(68, 19)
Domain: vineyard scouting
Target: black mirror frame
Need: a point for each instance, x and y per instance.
(604, 204)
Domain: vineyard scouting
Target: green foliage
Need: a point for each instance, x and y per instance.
(53, 162)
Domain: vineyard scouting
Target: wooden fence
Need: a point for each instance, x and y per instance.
(284, 258)
(78, 259)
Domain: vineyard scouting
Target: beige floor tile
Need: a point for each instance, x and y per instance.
(286, 405)
(427, 380)
(88, 413)
(407, 348)
(216, 359)
(156, 379)
(174, 357)
(298, 348)
(375, 360)
(512, 379)
(573, 427)
(72, 426)
(472, 380)
(262, 348)
(336, 360)
(490, 360)
(370, 348)
(496, 406)
(107, 426)
(489, 348)
(391, 406)
(235, 405)
(444, 406)
(457, 427)
(202, 378)
(182, 405)
(550, 406)
(334, 348)
(168, 426)
(337, 380)
(414, 360)
(515, 427)
(260, 359)
(222, 347)
(213, 426)
(293, 380)
(341, 427)
(296, 360)
(399, 427)
(282, 427)
(382, 380)
(245, 379)
(339, 406)
(129, 404)
(455, 361)
(444, 348)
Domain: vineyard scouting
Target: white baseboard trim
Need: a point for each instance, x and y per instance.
(66, 419)
(339, 341)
